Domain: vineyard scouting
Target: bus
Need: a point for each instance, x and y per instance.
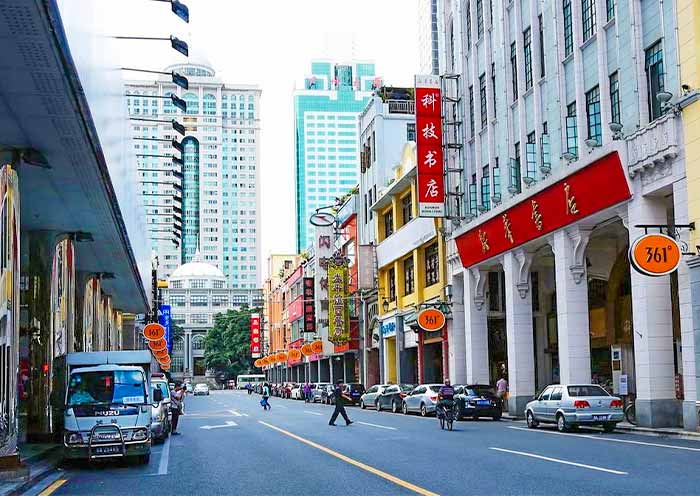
(252, 379)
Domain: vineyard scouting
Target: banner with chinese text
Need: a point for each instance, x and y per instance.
(338, 315)
(309, 306)
(431, 183)
(255, 348)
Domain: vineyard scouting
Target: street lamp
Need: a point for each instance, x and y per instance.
(176, 125)
(385, 305)
(176, 100)
(179, 9)
(178, 79)
(176, 43)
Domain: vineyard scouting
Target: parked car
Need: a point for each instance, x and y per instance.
(477, 400)
(327, 397)
(285, 390)
(160, 413)
(231, 384)
(369, 399)
(354, 391)
(317, 391)
(201, 390)
(571, 405)
(423, 399)
(296, 392)
(189, 387)
(392, 397)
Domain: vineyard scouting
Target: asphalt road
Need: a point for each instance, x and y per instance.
(230, 445)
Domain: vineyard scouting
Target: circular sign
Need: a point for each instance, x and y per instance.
(294, 354)
(431, 319)
(165, 366)
(153, 331)
(157, 345)
(321, 219)
(317, 347)
(160, 353)
(281, 357)
(262, 361)
(164, 360)
(307, 350)
(655, 255)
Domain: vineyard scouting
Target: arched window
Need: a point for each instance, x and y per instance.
(179, 345)
(198, 342)
(209, 104)
(192, 103)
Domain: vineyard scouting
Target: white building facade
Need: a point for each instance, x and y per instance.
(217, 199)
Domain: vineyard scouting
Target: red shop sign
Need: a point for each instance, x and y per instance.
(587, 191)
(255, 344)
(431, 186)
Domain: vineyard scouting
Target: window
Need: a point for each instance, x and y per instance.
(406, 208)
(408, 276)
(198, 342)
(542, 69)
(588, 17)
(482, 98)
(388, 223)
(219, 300)
(531, 156)
(556, 394)
(218, 284)
(176, 284)
(654, 66)
(496, 180)
(199, 300)
(391, 276)
(179, 345)
(471, 110)
(595, 130)
(493, 87)
(411, 131)
(545, 394)
(177, 301)
(515, 174)
(197, 283)
(199, 318)
(514, 69)
(468, 24)
(610, 9)
(615, 98)
(432, 265)
(571, 129)
(472, 196)
(568, 30)
(486, 188)
(527, 52)
(479, 19)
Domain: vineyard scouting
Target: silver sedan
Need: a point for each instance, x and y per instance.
(571, 405)
(369, 399)
(423, 399)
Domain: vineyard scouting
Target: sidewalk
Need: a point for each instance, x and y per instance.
(669, 432)
(38, 460)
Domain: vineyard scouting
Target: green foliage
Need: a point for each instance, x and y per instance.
(227, 344)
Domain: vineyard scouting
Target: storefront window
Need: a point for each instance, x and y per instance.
(432, 265)
(408, 274)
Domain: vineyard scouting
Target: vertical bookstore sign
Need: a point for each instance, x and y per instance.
(431, 185)
(309, 305)
(338, 315)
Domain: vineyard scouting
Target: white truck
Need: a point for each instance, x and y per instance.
(108, 405)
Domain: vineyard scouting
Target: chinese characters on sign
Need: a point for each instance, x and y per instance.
(431, 185)
(338, 315)
(309, 305)
(255, 345)
(164, 318)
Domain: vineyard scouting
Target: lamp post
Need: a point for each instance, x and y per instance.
(178, 79)
(176, 43)
(176, 125)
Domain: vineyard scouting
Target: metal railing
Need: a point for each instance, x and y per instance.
(401, 106)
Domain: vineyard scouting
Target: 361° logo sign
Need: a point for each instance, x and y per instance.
(655, 255)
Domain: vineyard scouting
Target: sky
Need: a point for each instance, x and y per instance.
(271, 43)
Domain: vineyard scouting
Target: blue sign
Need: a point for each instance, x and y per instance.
(164, 320)
(388, 328)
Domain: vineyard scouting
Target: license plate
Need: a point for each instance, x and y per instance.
(107, 450)
(600, 418)
(483, 402)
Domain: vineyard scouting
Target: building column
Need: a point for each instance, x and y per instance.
(421, 357)
(456, 334)
(476, 326)
(519, 334)
(694, 277)
(569, 247)
(656, 403)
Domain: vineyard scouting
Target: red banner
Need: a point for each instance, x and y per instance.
(309, 305)
(431, 185)
(587, 191)
(255, 344)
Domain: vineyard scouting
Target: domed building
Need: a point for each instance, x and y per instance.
(196, 292)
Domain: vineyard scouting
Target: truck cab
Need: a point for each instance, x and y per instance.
(108, 405)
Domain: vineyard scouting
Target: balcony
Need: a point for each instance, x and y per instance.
(401, 106)
(652, 149)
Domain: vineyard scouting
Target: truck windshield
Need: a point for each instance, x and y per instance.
(107, 387)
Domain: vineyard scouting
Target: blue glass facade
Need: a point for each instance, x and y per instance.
(190, 199)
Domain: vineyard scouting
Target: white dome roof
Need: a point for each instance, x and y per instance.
(197, 269)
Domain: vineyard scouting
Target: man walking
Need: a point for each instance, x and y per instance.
(265, 397)
(339, 404)
(176, 403)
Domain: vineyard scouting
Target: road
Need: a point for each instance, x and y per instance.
(229, 445)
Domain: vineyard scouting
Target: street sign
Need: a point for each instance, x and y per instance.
(153, 332)
(430, 171)
(165, 320)
(655, 254)
(317, 347)
(158, 345)
(255, 344)
(431, 319)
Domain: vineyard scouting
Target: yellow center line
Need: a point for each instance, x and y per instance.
(50, 490)
(347, 459)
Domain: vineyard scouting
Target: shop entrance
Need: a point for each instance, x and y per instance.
(390, 360)
(432, 360)
(199, 367)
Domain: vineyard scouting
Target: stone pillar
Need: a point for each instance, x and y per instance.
(519, 333)
(475, 326)
(694, 276)
(421, 357)
(456, 334)
(569, 247)
(652, 327)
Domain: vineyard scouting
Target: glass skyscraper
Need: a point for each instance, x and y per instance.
(220, 204)
(326, 136)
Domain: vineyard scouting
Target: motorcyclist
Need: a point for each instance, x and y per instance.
(446, 396)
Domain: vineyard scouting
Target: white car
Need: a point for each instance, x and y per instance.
(297, 392)
(201, 389)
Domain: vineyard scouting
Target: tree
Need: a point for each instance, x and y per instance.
(227, 344)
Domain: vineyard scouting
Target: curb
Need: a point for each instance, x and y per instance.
(44, 464)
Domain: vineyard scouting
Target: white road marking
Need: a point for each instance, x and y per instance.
(229, 423)
(614, 440)
(238, 414)
(313, 413)
(164, 457)
(557, 460)
(378, 426)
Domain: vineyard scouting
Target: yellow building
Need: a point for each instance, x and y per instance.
(411, 261)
